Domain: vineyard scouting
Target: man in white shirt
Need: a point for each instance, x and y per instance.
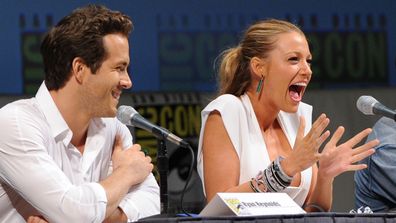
(64, 157)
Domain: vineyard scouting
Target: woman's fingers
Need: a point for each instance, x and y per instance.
(315, 136)
(358, 137)
(323, 138)
(357, 167)
(362, 155)
(301, 128)
(319, 126)
(366, 146)
(336, 137)
(364, 151)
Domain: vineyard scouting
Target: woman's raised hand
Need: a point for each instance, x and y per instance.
(335, 160)
(305, 152)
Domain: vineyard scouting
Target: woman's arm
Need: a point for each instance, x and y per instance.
(320, 195)
(221, 162)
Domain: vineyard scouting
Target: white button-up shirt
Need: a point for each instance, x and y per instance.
(42, 173)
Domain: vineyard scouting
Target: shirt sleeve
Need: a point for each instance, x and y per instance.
(142, 199)
(375, 185)
(28, 169)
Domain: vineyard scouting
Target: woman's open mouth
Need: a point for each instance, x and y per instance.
(297, 90)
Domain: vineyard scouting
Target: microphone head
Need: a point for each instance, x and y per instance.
(365, 104)
(125, 113)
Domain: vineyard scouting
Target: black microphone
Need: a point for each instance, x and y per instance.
(370, 106)
(129, 116)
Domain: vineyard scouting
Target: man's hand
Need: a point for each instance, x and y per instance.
(133, 160)
(36, 219)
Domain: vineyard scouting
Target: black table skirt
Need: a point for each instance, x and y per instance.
(300, 218)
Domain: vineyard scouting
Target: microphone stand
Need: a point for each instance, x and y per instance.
(162, 165)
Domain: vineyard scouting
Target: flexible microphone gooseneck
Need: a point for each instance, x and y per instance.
(129, 116)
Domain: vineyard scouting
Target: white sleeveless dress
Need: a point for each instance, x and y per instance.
(243, 129)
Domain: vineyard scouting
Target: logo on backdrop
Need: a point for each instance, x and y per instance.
(353, 52)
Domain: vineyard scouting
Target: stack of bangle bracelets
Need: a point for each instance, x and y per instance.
(272, 179)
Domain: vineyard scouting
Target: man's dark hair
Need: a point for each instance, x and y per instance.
(80, 34)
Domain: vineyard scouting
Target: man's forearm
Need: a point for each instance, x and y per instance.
(116, 187)
(117, 216)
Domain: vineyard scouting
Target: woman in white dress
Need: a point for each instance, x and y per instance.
(257, 135)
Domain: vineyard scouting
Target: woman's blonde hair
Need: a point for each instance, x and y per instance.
(258, 40)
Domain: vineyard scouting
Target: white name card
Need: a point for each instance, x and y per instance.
(250, 204)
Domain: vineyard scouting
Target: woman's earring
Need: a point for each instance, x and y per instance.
(260, 85)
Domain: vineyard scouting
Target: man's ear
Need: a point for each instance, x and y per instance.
(257, 67)
(78, 69)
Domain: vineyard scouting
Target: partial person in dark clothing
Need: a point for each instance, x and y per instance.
(375, 186)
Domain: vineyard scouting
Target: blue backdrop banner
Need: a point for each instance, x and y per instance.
(175, 42)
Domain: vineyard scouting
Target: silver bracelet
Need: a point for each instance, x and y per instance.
(273, 177)
(259, 180)
(286, 179)
(254, 189)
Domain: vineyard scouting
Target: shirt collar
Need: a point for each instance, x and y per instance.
(59, 128)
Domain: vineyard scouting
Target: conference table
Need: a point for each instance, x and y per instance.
(321, 217)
